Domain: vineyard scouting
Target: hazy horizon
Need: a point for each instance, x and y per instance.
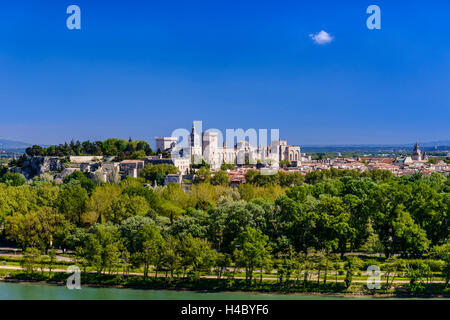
(152, 143)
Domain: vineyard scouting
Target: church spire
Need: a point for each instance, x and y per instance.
(417, 153)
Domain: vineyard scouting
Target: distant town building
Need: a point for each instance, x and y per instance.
(184, 180)
(404, 160)
(418, 155)
(173, 178)
(288, 152)
(132, 167)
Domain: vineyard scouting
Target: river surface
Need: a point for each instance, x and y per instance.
(30, 291)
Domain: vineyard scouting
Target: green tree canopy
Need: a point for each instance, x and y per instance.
(157, 172)
(220, 178)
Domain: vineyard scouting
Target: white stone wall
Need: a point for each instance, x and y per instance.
(81, 159)
(164, 143)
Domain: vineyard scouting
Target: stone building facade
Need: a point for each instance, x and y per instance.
(206, 146)
(165, 143)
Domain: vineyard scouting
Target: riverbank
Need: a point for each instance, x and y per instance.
(43, 291)
(287, 289)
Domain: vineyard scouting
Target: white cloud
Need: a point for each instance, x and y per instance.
(321, 37)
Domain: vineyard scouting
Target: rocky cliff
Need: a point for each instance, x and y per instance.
(39, 165)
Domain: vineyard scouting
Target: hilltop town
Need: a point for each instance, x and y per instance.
(215, 216)
(203, 149)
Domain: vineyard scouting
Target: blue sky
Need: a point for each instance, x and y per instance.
(142, 69)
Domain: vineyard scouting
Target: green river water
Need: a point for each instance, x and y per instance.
(30, 291)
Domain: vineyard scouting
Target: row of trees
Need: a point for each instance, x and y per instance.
(333, 214)
(139, 243)
(406, 215)
(110, 147)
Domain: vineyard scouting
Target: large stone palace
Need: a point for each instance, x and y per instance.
(206, 146)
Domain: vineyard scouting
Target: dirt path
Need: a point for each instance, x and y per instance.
(19, 255)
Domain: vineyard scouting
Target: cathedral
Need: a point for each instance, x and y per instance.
(417, 154)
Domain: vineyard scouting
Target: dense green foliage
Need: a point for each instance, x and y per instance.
(13, 179)
(157, 173)
(281, 178)
(282, 222)
(110, 147)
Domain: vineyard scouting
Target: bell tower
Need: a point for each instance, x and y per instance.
(196, 141)
(417, 153)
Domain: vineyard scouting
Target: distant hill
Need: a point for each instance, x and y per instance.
(435, 143)
(10, 144)
(426, 146)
